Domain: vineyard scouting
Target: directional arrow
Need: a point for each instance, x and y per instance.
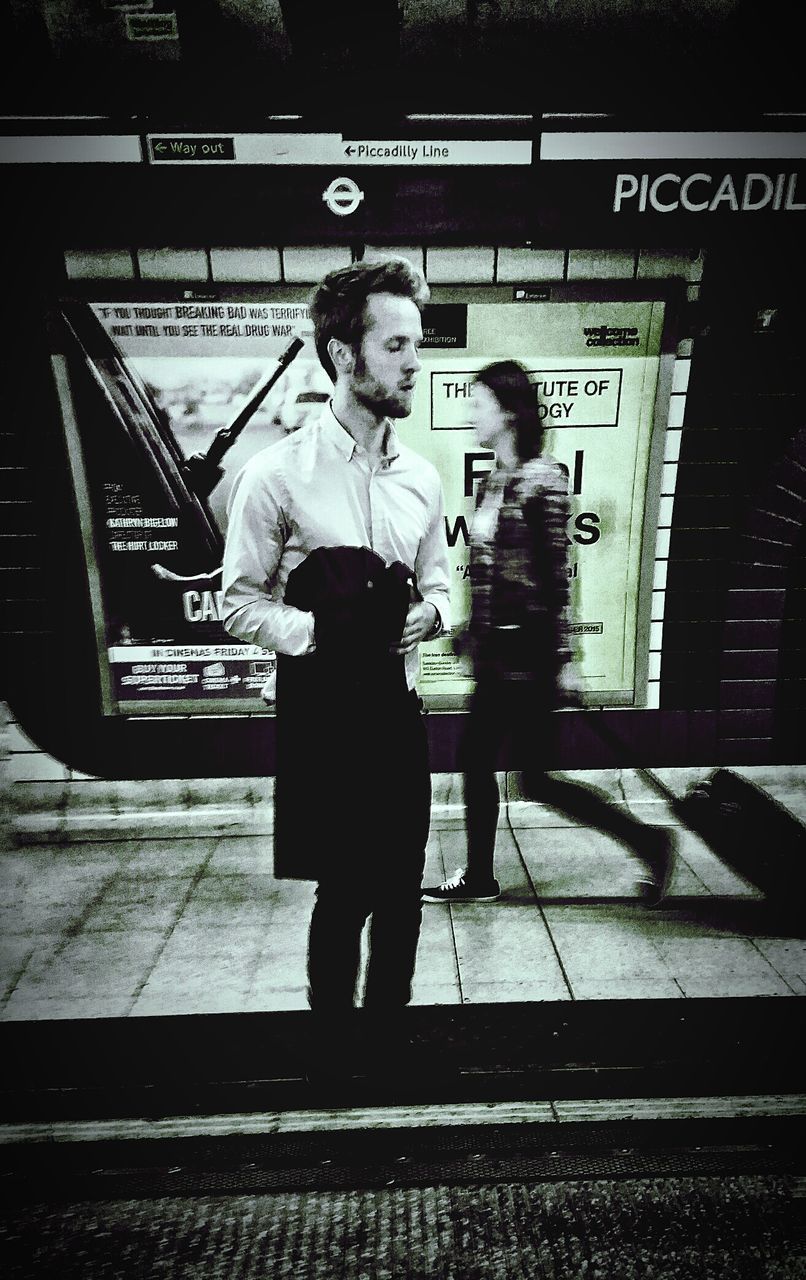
(349, 150)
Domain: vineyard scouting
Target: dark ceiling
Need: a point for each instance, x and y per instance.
(330, 60)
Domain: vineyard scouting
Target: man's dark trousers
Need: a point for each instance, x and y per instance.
(372, 865)
(352, 811)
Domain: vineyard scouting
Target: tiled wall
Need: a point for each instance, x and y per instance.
(305, 264)
(734, 634)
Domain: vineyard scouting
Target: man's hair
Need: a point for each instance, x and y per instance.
(337, 304)
(509, 383)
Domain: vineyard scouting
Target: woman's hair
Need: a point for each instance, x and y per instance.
(509, 383)
(337, 304)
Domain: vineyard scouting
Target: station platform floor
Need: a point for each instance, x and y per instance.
(598, 1074)
(142, 902)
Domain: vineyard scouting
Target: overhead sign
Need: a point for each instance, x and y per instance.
(335, 149)
(343, 196)
(70, 148)
(700, 192)
(673, 202)
(692, 184)
(189, 149)
(681, 145)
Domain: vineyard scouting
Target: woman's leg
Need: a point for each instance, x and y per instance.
(535, 740)
(478, 754)
(478, 758)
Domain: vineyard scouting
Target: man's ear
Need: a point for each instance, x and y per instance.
(341, 355)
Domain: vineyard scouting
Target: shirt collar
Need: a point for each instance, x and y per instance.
(346, 445)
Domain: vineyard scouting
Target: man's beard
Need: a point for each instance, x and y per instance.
(383, 403)
(383, 406)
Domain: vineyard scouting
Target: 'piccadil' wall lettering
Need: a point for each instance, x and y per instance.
(706, 192)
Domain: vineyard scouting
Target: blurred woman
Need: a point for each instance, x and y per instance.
(518, 639)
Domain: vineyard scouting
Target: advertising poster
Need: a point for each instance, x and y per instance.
(168, 399)
(595, 369)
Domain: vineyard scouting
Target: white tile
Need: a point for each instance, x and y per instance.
(26, 1008)
(258, 265)
(671, 445)
(219, 791)
(99, 264)
(218, 998)
(466, 264)
(520, 265)
(33, 918)
(276, 1001)
(626, 987)
(607, 955)
(656, 264)
(24, 799)
(168, 857)
(247, 854)
(503, 943)
(600, 264)
(714, 957)
(680, 376)
(284, 968)
(14, 738)
(502, 992)
(788, 958)
(307, 264)
(658, 605)
(427, 993)
(173, 264)
(413, 254)
(33, 766)
(665, 511)
(234, 888)
(104, 965)
(738, 986)
(141, 916)
(145, 793)
(96, 793)
(677, 413)
(668, 477)
(193, 943)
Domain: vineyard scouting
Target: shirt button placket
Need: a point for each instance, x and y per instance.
(371, 505)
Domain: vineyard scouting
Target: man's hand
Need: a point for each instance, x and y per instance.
(420, 621)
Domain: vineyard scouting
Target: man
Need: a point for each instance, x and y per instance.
(353, 783)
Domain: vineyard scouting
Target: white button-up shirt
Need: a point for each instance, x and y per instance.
(319, 488)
